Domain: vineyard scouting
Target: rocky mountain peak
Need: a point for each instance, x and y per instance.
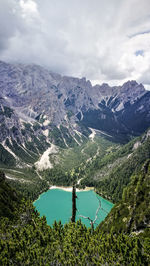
(133, 86)
(32, 91)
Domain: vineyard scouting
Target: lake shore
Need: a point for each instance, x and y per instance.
(69, 189)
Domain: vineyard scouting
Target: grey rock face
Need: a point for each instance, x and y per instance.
(61, 106)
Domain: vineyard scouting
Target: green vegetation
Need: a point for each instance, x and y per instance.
(62, 137)
(21, 152)
(77, 158)
(132, 213)
(79, 155)
(9, 199)
(70, 114)
(55, 134)
(6, 159)
(66, 135)
(26, 181)
(26, 239)
(120, 175)
(85, 131)
(111, 174)
(30, 189)
(6, 111)
(36, 126)
(28, 127)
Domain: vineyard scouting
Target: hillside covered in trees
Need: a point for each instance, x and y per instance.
(111, 173)
(122, 239)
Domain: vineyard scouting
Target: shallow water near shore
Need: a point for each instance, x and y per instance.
(56, 204)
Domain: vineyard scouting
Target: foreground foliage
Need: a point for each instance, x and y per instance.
(32, 242)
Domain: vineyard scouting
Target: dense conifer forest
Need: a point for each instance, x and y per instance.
(122, 239)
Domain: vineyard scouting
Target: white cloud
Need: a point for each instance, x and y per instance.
(29, 7)
(98, 39)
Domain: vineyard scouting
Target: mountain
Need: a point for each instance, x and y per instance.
(21, 142)
(38, 107)
(122, 110)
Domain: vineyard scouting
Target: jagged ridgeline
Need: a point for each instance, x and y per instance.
(62, 111)
(123, 238)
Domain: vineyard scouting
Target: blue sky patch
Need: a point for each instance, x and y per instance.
(139, 52)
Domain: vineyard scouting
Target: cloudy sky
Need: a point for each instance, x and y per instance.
(102, 40)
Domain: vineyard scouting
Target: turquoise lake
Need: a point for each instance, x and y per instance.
(56, 204)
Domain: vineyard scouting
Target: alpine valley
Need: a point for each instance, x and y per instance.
(60, 130)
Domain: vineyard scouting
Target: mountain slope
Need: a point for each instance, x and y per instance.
(122, 110)
(9, 199)
(132, 214)
(111, 174)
